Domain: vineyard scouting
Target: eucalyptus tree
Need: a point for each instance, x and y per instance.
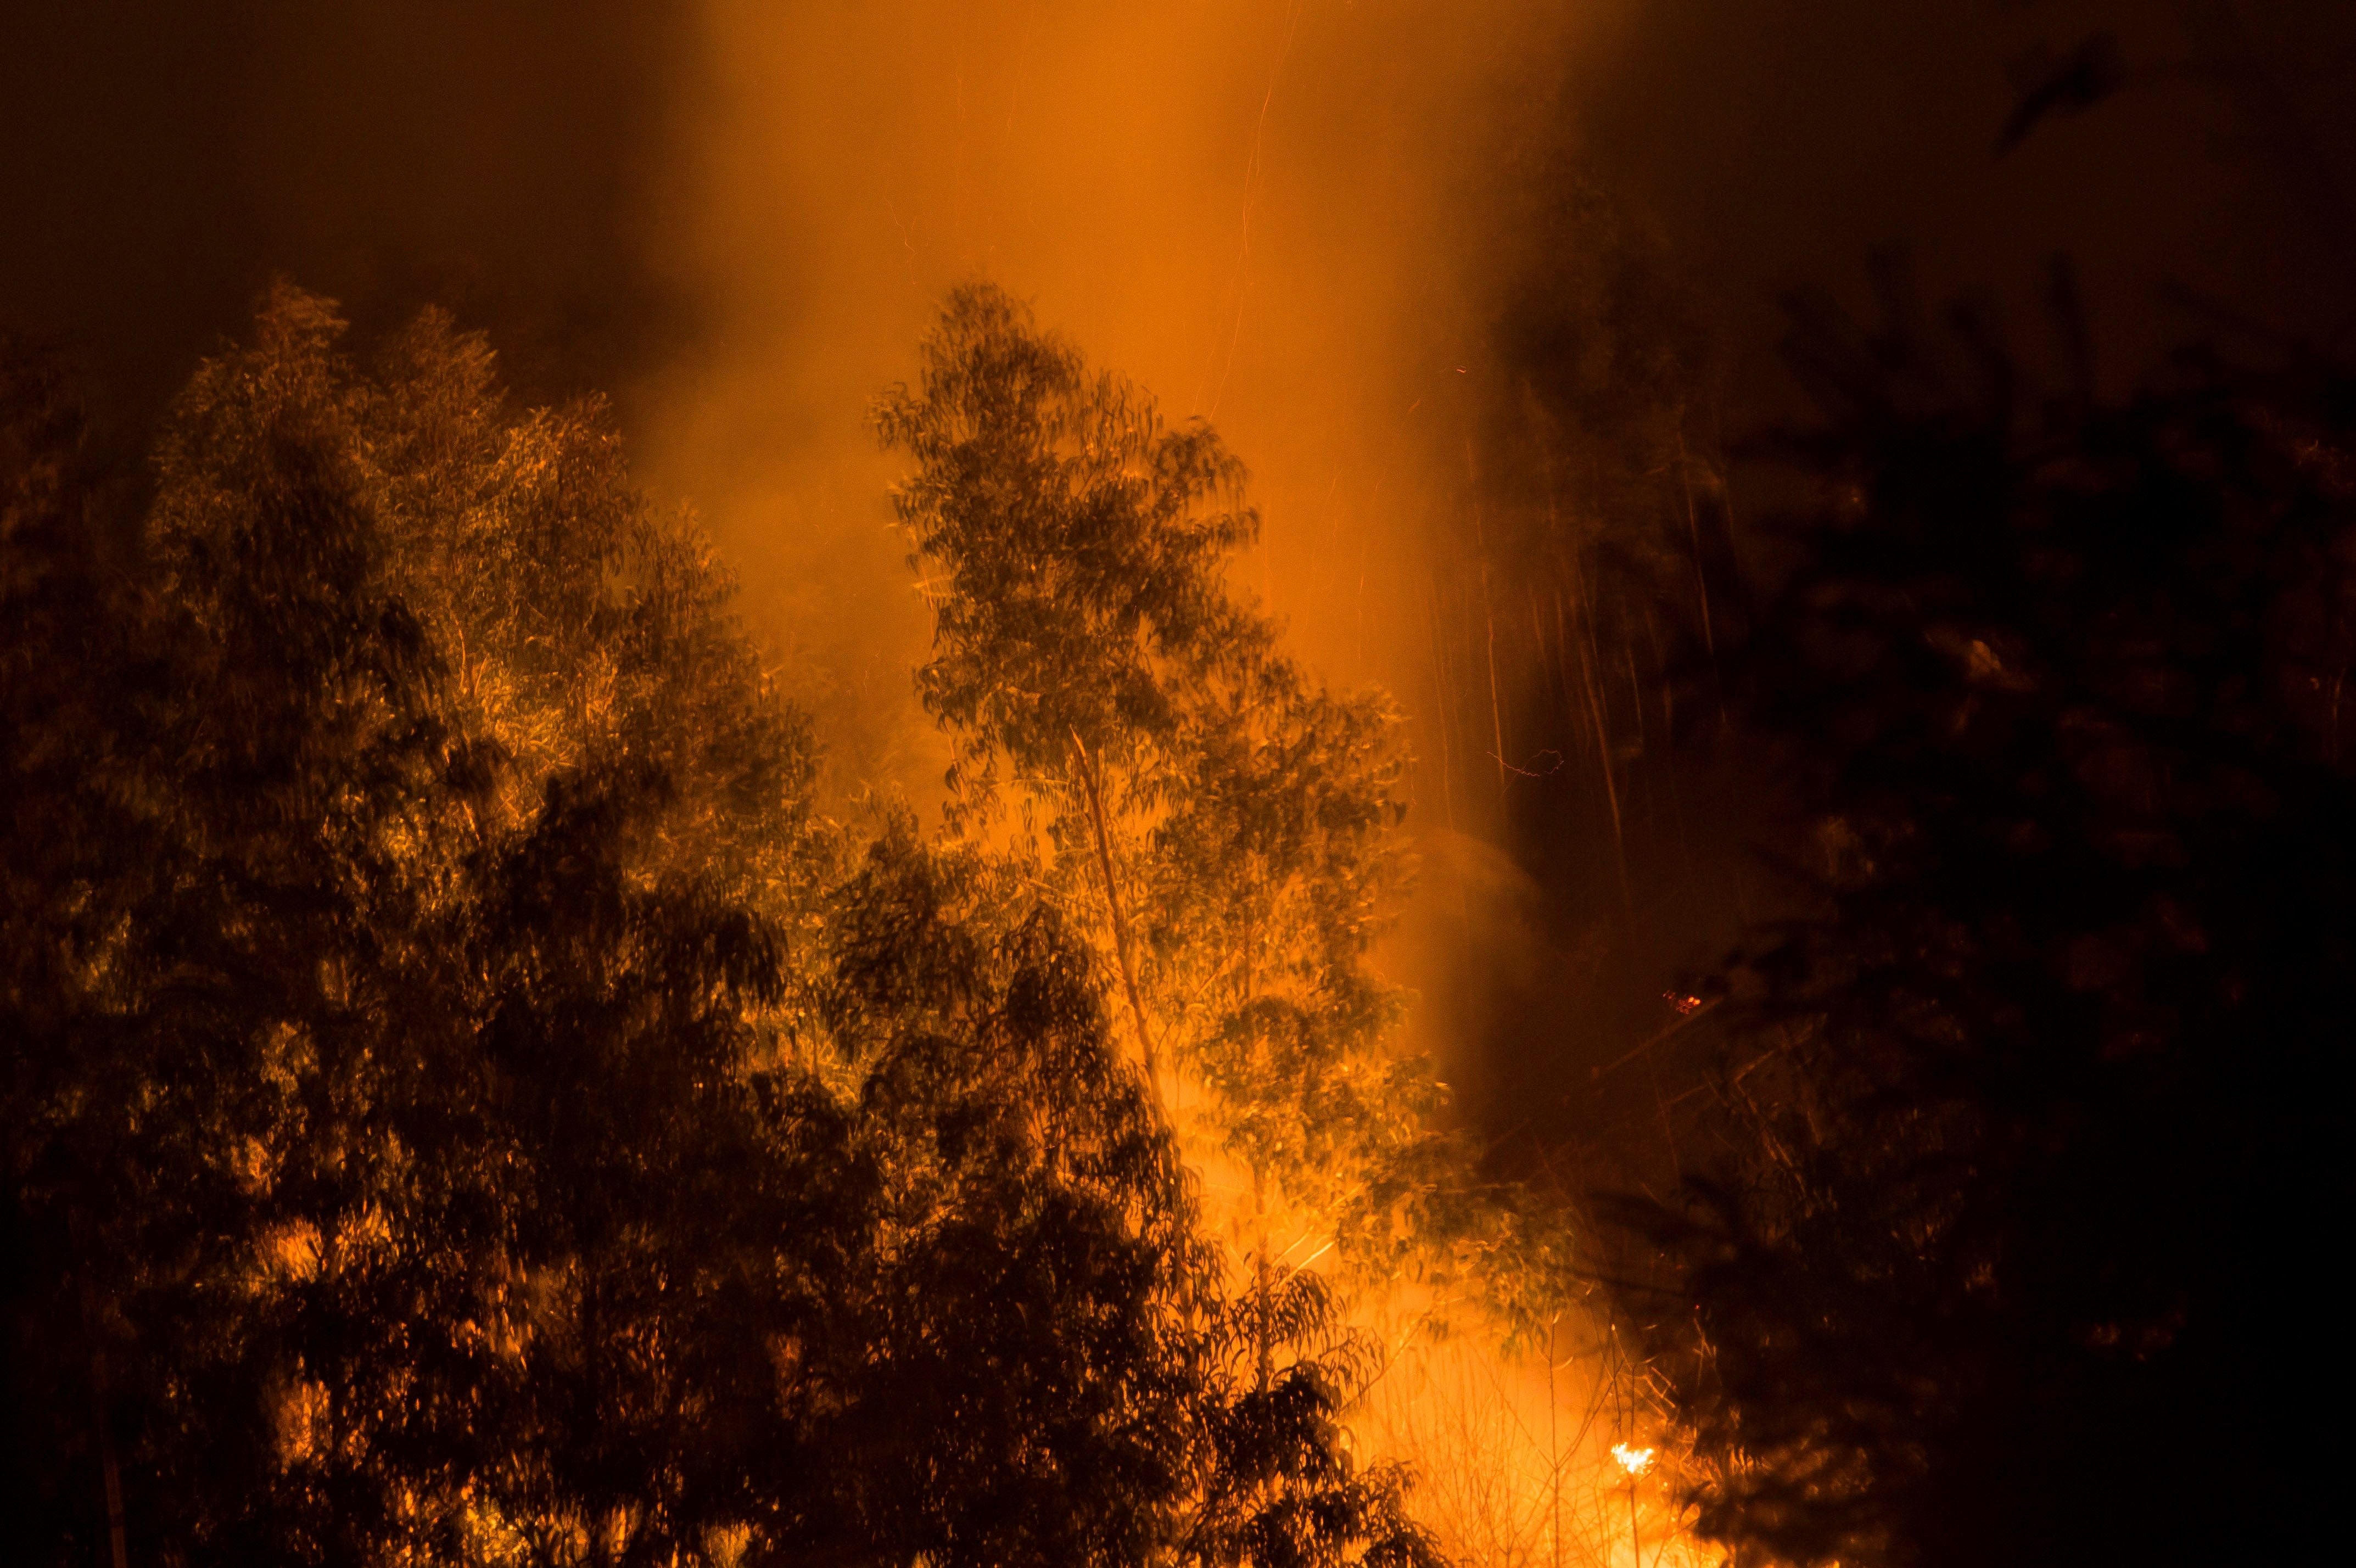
(1227, 824)
(392, 1119)
(459, 1103)
(1227, 828)
(1023, 1354)
(1077, 603)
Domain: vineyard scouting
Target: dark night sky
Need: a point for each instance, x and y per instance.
(163, 159)
(1781, 144)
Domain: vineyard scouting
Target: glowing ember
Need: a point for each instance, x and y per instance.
(1635, 1461)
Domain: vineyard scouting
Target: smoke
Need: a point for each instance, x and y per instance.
(1252, 209)
(1473, 285)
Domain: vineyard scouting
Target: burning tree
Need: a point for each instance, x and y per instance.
(1227, 826)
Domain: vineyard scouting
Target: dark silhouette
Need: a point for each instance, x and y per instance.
(2081, 79)
(2036, 1103)
(459, 1101)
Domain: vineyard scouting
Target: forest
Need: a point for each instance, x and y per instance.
(466, 1102)
(1010, 783)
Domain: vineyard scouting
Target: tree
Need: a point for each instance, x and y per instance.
(371, 1084)
(74, 849)
(1029, 1383)
(2034, 1141)
(1225, 825)
(1082, 544)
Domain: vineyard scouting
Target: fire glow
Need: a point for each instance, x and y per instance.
(1634, 1460)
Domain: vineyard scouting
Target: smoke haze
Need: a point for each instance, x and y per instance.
(1254, 210)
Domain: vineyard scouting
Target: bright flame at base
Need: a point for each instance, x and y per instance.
(1635, 1461)
(1512, 1461)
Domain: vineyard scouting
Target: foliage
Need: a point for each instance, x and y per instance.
(1034, 1307)
(2014, 1263)
(1227, 828)
(459, 1104)
(1191, 782)
(1282, 1490)
(1081, 544)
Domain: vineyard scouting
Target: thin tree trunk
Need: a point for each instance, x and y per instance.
(1112, 908)
(1554, 1448)
(1693, 531)
(1628, 1367)
(110, 1472)
(1635, 1545)
(1496, 709)
(1636, 690)
(1265, 1361)
(1603, 751)
(1259, 1214)
(1669, 731)
(1701, 572)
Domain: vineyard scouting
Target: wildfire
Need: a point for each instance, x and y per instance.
(1635, 1461)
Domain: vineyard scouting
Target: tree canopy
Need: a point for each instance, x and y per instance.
(463, 1104)
(1227, 827)
(1228, 823)
(2033, 1102)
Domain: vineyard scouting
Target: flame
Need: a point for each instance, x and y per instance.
(1635, 1461)
(1511, 1466)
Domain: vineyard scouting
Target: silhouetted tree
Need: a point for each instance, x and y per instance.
(2038, 1103)
(1030, 1381)
(1226, 827)
(78, 853)
(459, 1104)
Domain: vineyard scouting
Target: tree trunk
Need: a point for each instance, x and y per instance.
(1090, 785)
(1265, 1336)
(110, 1472)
